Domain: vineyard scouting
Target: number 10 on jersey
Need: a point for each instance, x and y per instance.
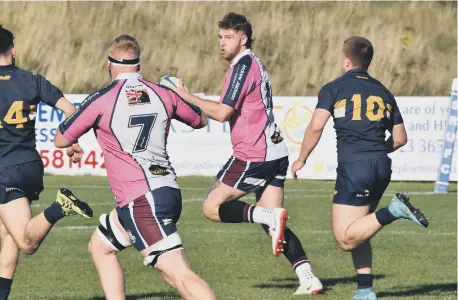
(375, 108)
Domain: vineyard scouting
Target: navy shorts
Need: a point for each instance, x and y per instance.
(362, 182)
(151, 217)
(21, 180)
(253, 176)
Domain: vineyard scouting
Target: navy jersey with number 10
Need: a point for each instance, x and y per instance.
(363, 110)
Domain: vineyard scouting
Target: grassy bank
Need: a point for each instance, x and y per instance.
(415, 43)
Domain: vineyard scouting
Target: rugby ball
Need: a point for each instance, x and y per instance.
(170, 82)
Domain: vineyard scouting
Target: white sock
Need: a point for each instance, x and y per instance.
(264, 216)
(304, 272)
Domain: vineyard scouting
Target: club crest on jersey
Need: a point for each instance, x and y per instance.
(276, 138)
(137, 96)
(158, 170)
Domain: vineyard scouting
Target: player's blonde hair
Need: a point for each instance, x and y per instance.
(125, 46)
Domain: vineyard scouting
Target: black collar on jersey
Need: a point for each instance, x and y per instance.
(356, 70)
(7, 67)
(131, 62)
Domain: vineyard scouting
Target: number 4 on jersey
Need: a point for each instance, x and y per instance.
(15, 115)
(146, 123)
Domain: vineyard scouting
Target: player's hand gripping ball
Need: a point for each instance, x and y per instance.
(171, 82)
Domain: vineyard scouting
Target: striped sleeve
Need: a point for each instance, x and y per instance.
(85, 117)
(236, 85)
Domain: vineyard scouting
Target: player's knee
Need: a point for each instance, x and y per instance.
(345, 247)
(210, 210)
(28, 249)
(107, 238)
(346, 244)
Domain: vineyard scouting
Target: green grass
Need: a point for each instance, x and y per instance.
(236, 260)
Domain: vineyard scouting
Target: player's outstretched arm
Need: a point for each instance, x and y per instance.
(311, 138)
(397, 139)
(214, 110)
(189, 113)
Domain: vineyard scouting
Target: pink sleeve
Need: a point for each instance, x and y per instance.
(186, 112)
(83, 119)
(177, 108)
(237, 83)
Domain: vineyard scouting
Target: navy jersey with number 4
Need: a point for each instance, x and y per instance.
(363, 109)
(20, 94)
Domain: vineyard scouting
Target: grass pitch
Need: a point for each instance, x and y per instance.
(236, 259)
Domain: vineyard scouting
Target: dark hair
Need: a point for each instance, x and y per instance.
(6, 40)
(238, 23)
(359, 50)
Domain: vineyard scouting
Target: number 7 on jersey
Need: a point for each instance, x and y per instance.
(146, 123)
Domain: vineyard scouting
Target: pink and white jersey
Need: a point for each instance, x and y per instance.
(255, 136)
(131, 120)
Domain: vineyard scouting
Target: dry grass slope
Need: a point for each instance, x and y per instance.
(415, 43)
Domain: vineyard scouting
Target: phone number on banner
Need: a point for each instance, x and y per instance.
(58, 159)
(423, 146)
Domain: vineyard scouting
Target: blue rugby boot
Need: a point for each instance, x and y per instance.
(364, 294)
(401, 208)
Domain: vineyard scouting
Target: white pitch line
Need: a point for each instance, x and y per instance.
(212, 230)
(286, 189)
(191, 200)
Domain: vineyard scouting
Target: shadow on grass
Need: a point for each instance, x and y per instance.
(161, 295)
(426, 289)
(292, 282)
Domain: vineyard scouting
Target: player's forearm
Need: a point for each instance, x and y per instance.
(60, 141)
(211, 108)
(389, 144)
(392, 145)
(66, 107)
(397, 139)
(311, 139)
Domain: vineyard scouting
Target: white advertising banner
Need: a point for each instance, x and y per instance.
(204, 151)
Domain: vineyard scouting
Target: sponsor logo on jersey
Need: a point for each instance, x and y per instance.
(10, 189)
(5, 77)
(89, 98)
(254, 181)
(366, 194)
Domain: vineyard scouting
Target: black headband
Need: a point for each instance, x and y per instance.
(132, 62)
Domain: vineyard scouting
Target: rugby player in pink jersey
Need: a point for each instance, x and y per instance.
(131, 120)
(260, 157)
